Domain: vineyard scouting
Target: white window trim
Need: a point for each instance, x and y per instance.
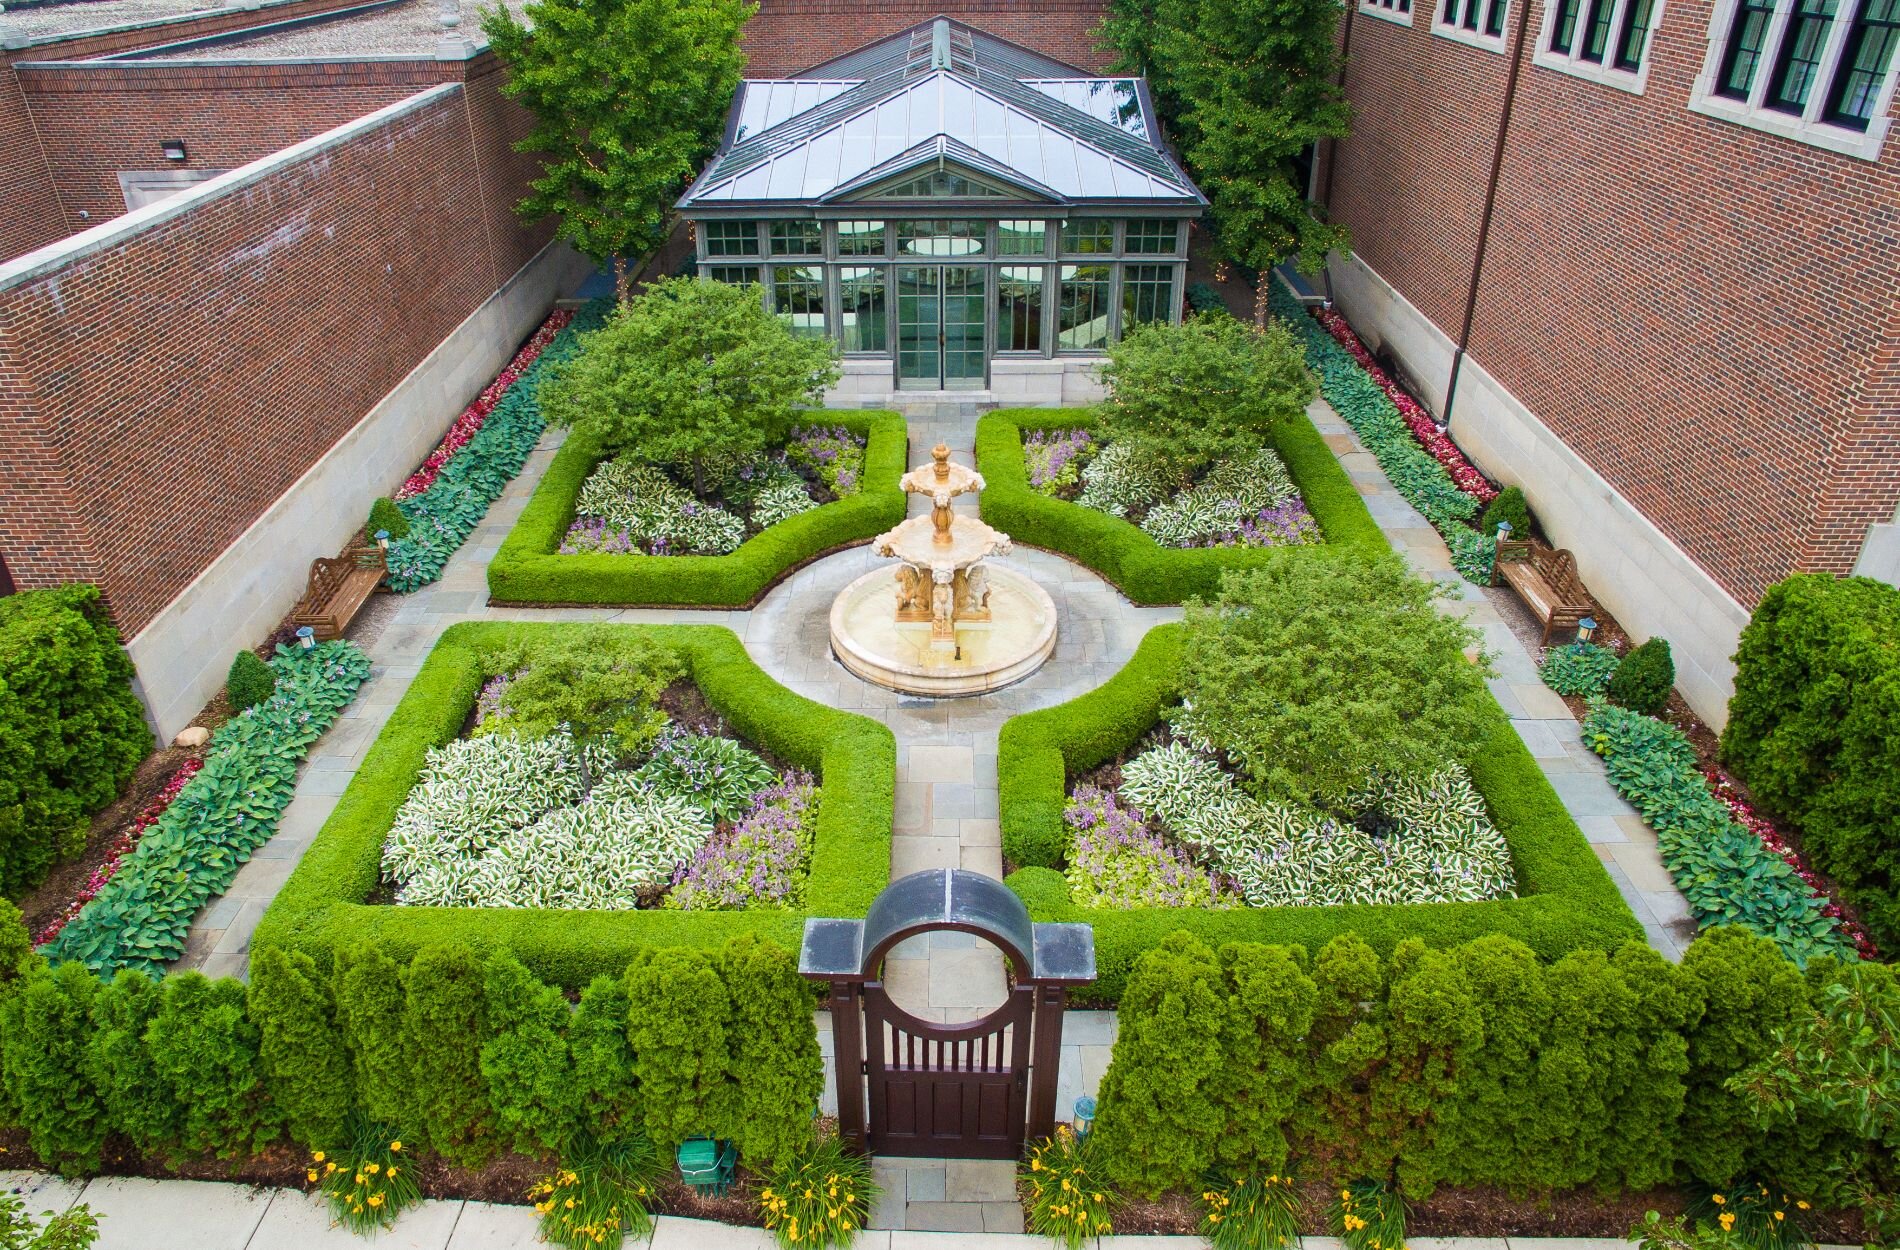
(1807, 128)
(1445, 26)
(1634, 81)
(1388, 15)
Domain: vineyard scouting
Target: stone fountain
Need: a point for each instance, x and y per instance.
(957, 622)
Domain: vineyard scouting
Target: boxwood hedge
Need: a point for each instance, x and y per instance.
(323, 905)
(1146, 571)
(529, 569)
(1566, 901)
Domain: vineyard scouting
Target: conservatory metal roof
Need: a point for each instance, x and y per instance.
(939, 96)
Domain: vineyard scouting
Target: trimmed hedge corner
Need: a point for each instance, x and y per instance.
(322, 908)
(529, 569)
(1142, 568)
(1567, 900)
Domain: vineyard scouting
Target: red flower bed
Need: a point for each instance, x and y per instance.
(1423, 426)
(464, 426)
(1723, 788)
(122, 847)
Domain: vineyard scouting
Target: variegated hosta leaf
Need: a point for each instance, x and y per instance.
(631, 494)
(1232, 492)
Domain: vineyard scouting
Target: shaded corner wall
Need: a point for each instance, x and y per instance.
(787, 36)
(29, 210)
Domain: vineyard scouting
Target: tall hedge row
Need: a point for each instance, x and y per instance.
(464, 1054)
(71, 730)
(1480, 1064)
(1814, 729)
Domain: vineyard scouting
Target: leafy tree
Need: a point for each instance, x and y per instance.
(596, 693)
(525, 1061)
(48, 1025)
(443, 1034)
(1273, 998)
(692, 373)
(1315, 675)
(309, 1074)
(603, 1061)
(628, 96)
(681, 1035)
(73, 1229)
(138, 1099)
(205, 1047)
(1249, 86)
(369, 1010)
(777, 1068)
(1207, 389)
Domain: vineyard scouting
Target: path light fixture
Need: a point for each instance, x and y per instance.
(382, 539)
(1504, 531)
(306, 637)
(1084, 1115)
(1586, 629)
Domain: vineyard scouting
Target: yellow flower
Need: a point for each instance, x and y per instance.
(318, 1156)
(1780, 1215)
(359, 1178)
(1717, 1199)
(391, 1174)
(1728, 1220)
(311, 1175)
(372, 1169)
(570, 1204)
(329, 1167)
(376, 1200)
(1802, 1205)
(395, 1145)
(1345, 1195)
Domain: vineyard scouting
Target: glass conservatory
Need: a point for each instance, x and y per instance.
(950, 207)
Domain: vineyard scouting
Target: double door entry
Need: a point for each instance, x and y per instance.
(940, 327)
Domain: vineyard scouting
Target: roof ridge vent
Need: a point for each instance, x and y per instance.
(940, 43)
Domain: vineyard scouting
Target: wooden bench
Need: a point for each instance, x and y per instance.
(1546, 580)
(339, 587)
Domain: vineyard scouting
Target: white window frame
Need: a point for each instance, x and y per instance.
(1444, 25)
(1389, 13)
(1634, 81)
(1807, 128)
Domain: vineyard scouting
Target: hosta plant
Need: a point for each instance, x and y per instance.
(1067, 1197)
(820, 1199)
(1118, 481)
(1368, 1215)
(660, 516)
(718, 774)
(1581, 668)
(1253, 1212)
(599, 1194)
(369, 1182)
(1231, 492)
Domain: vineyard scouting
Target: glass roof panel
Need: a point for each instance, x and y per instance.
(764, 103)
(1116, 101)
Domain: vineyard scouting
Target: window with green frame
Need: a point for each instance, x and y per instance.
(863, 293)
(1019, 308)
(1802, 46)
(1090, 236)
(796, 238)
(1864, 63)
(731, 238)
(1748, 38)
(798, 297)
(1159, 236)
(860, 238)
(1147, 294)
(1083, 305)
(1022, 238)
(738, 275)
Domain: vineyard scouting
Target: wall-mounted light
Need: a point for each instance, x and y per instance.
(174, 149)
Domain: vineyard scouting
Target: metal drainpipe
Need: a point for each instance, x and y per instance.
(1490, 203)
(1332, 151)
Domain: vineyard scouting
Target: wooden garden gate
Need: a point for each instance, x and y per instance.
(972, 1091)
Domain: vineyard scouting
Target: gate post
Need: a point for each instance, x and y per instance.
(847, 1044)
(1045, 1058)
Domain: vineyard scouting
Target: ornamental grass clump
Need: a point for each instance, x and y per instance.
(599, 1195)
(367, 1184)
(1068, 1198)
(820, 1199)
(1581, 668)
(1368, 1215)
(1252, 1213)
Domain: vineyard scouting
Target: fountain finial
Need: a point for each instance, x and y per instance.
(940, 456)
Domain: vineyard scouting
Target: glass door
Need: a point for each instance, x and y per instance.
(940, 327)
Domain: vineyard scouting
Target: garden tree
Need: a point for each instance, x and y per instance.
(627, 97)
(138, 1099)
(1347, 1040)
(603, 1062)
(1273, 999)
(1211, 388)
(17, 960)
(777, 1068)
(525, 1059)
(1249, 86)
(693, 374)
(47, 1023)
(1491, 1123)
(73, 1229)
(681, 1035)
(309, 1075)
(1838, 1065)
(369, 1012)
(1317, 674)
(602, 696)
(1432, 1030)
(1653, 1060)
(205, 1047)
(443, 1034)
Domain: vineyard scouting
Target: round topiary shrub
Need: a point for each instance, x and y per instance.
(249, 682)
(1643, 680)
(1508, 506)
(385, 515)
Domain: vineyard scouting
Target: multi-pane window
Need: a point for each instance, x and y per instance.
(738, 275)
(1147, 294)
(939, 184)
(860, 238)
(1083, 320)
(1589, 37)
(1022, 238)
(1480, 17)
(940, 238)
(1019, 308)
(862, 294)
(1152, 237)
(1091, 236)
(1394, 7)
(731, 238)
(797, 238)
(798, 297)
(1634, 36)
(1815, 70)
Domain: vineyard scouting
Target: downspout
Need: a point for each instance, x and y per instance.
(1332, 150)
(1490, 203)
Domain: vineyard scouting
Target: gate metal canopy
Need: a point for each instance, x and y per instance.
(968, 1090)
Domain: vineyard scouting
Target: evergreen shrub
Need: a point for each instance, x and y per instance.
(1643, 680)
(384, 515)
(248, 682)
(1510, 506)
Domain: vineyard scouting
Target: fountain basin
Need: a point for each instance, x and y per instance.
(986, 656)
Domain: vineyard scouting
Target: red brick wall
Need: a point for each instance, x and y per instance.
(790, 35)
(180, 379)
(98, 118)
(1704, 312)
(29, 210)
